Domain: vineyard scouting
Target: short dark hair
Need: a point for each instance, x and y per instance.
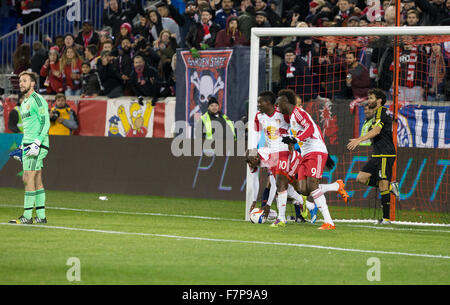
(268, 96)
(379, 94)
(289, 94)
(92, 49)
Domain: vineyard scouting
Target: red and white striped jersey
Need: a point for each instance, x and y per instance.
(306, 131)
(275, 127)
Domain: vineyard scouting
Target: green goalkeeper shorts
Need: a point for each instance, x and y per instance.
(34, 163)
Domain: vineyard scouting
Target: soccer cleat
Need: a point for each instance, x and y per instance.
(313, 213)
(327, 226)
(40, 220)
(383, 221)
(22, 220)
(394, 189)
(341, 191)
(278, 223)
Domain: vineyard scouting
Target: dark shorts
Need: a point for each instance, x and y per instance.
(380, 167)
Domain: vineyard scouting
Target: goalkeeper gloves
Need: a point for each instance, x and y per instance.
(16, 154)
(32, 150)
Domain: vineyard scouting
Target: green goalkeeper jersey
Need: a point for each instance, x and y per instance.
(35, 119)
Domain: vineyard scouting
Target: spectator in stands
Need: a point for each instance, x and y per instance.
(63, 120)
(15, 123)
(114, 15)
(231, 36)
(69, 42)
(342, 12)
(295, 75)
(247, 19)
(144, 79)
(125, 61)
(29, 10)
(203, 32)
(166, 9)
(357, 76)
(71, 68)
(412, 17)
(262, 22)
(90, 81)
(433, 11)
(21, 59)
(109, 75)
(436, 71)
(59, 42)
(108, 45)
(103, 37)
(87, 35)
(142, 29)
(38, 59)
(227, 10)
(190, 17)
(166, 47)
(412, 75)
(90, 54)
(125, 32)
(158, 23)
(51, 72)
(332, 72)
(273, 18)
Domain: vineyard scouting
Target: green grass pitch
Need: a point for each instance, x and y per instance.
(156, 240)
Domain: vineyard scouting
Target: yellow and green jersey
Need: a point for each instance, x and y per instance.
(35, 119)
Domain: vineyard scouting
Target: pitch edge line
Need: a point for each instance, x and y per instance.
(344, 221)
(230, 240)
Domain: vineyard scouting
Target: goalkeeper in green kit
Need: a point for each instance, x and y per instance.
(35, 146)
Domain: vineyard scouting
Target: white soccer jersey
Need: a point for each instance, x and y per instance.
(306, 131)
(275, 127)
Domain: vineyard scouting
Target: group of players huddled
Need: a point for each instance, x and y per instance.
(295, 156)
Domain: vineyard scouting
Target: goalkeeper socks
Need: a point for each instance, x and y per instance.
(40, 203)
(28, 205)
(386, 204)
(321, 202)
(265, 196)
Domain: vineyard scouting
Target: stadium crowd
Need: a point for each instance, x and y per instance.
(134, 54)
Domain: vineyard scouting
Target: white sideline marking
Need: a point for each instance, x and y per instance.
(131, 213)
(344, 221)
(230, 240)
(398, 229)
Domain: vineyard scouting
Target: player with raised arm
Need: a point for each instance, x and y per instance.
(377, 172)
(314, 153)
(35, 144)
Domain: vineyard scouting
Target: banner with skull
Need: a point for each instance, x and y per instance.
(206, 75)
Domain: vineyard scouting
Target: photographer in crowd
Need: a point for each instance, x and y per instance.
(63, 120)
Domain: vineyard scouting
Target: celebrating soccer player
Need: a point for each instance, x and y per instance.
(314, 152)
(377, 172)
(35, 145)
